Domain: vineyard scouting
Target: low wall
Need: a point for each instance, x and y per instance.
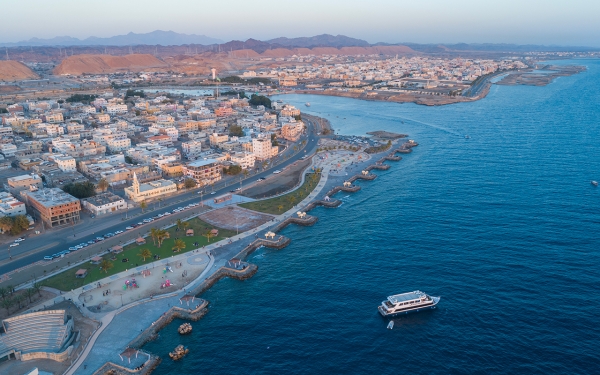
(306, 221)
(58, 357)
(110, 368)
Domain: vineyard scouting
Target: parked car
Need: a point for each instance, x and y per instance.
(48, 257)
(276, 171)
(167, 213)
(19, 239)
(147, 220)
(213, 192)
(129, 228)
(118, 232)
(14, 244)
(98, 239)
(72, 248)
(91, 242)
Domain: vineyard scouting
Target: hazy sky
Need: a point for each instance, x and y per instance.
(564, 22)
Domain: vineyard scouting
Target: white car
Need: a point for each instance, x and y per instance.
(14, 244)
(129, 228)
(119, 232)
(19, 239)
(167, 214)
(277, 172)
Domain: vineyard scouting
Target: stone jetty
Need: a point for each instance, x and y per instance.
(185, 329)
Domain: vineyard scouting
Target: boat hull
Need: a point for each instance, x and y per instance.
(433, 306)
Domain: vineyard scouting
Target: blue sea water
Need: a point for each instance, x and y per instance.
(504, 226)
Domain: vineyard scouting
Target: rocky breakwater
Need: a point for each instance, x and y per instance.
(179, 352)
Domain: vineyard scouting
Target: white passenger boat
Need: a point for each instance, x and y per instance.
(405, 303)
(595, 183)
(307, 104)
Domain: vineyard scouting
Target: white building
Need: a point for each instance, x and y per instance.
(245, 160)
(66, 163)
(139, 192)
(10, 206)
(191, 149)
(114, 109)
(104, 203)
(8, 149)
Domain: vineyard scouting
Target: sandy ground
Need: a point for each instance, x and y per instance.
(286, 180)
(82, 324)
(148, 280)
(234, 217)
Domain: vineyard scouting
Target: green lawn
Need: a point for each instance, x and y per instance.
(66, 280)
(283, 203)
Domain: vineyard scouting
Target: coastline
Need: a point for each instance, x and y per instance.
(331, 182)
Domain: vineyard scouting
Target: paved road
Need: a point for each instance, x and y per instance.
(35, 248)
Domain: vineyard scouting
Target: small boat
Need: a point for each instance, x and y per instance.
(390, 324)
(307, 104)
(467, 136)
(595, 183)
(405, 303)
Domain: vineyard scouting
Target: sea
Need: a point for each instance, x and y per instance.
(503, 225)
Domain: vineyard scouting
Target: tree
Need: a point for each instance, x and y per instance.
(145, 253)
(80, 190)
(246, 173)
(7, 304)
(154, 234)
(260, 100)
(185, 225)
(280, 207)
(208, 234)
(178, 245)
(18, 299)
(20, 223)
(292, 199)
(3, 293)
(6, 224)
(189, 183)
(233, 170)
(37, 287)
(236, 131)
(143, 205)
(29, 292)
(179, 222)
(103, 184)
(161, 236)
(106, 265)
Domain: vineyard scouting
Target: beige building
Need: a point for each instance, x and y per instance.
(104, 203)
(139, 192)
(66, 163)
(205, 172)
(289, 111)
(263, 149)
(191, 149)
(245, 160)
(292, 131)
(16, 184)
(217, 138)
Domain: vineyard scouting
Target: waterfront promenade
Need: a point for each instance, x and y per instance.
(121, 326)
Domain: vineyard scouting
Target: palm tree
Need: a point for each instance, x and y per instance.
(7, 304)
(38, 288)
(3, 293)
(106, 265)
(178, 245)
(102, 184)
(246, 173)
(280, 207)
(143, 205)
(145, 253)
(29, 293)
(185, 224)
(208, 234)
(178, 223)
(154, 234)
(18, 299)
(161, 236)
(159, 200)
(292, 199)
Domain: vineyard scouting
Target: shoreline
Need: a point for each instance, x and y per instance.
(331, 182)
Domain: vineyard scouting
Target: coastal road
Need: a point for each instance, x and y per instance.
(35, 248)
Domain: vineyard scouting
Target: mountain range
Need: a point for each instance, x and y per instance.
(157, 37)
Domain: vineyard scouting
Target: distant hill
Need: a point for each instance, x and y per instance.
(158, 37)
(15, 71)
(102, 64)
(324, 40)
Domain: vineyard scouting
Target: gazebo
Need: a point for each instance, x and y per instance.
(214, 232)
(189, 233)
(96, 260)
(187, 298)
(140, 241)
(116, 249)
(81, 273)
(129, 352)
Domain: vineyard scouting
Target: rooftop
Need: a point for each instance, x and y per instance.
(102, 199)
(410, 296)
(202, 163)
(50, 197)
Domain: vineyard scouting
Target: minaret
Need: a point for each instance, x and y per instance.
(135, 185)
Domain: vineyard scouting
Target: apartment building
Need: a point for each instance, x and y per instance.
(263, 149)
(24, 182)
(66, 163)
(8, 149)
(245, 160)
(289, 111)
(216, 138)
(292, 131)
(205, 172)
(53, 206)
(114, 109)
(191, 149)
(10, 206)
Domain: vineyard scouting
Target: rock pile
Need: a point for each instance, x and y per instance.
(184, 329)
(179, 352)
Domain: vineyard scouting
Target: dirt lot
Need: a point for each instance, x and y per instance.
(82, 324)
(226, 218)
(280, 183)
